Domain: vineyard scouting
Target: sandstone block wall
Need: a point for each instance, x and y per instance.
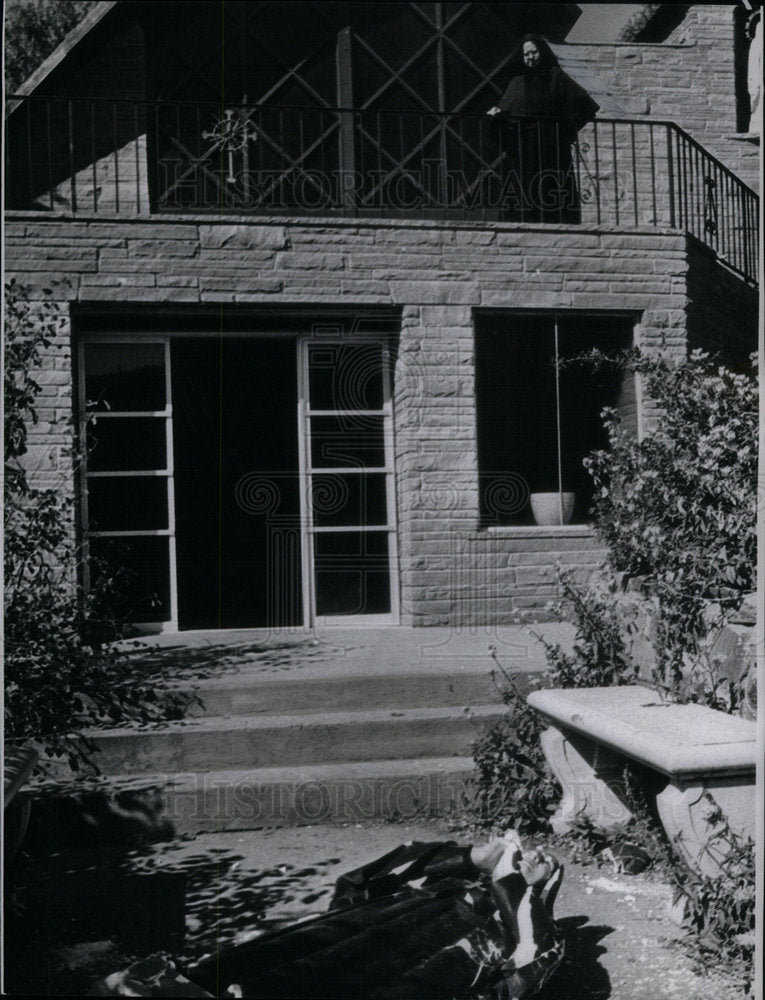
(440, 276)
(689, 79)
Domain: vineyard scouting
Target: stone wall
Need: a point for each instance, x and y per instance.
(439, 275)
(689, 79)
(721, 309)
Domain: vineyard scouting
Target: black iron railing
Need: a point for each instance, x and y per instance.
(82, 155)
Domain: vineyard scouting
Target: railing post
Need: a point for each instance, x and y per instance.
(30, 171)
(597, 166)
(634, 173)
(72, 178)
(615, 155)
(93, 160)
(50, 153)
(347, 150)
(671, 177)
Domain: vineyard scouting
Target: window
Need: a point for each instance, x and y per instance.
(125, 416)
(347, 464)
(240, 481)
(536, 420)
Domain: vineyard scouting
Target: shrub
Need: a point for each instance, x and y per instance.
(33, 29)
(514, 787)
(677, 511)
(600, 654)
(63, 673)
(720, 909)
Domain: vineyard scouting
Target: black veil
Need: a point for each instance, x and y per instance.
(515, 64)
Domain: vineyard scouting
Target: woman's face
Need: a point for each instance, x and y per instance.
(530, 55)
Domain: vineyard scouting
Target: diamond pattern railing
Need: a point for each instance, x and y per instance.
(133, 157)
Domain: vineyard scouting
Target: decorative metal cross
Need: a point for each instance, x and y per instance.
(231, 134)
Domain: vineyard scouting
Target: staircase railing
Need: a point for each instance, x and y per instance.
(132, 157)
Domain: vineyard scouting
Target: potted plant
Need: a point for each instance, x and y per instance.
(552, 508)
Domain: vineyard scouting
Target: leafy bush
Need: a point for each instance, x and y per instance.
(63, 673)
(677, 513)
(677, 509)
(600, 655)
(720, 909)
(33, 29)
(514, 786)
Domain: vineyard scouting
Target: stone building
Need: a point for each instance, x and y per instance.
(310, 354)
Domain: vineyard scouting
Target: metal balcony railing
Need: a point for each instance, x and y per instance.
(128, 157)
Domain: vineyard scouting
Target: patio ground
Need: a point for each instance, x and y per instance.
(87, 916)
(401, 649)
(84, 912)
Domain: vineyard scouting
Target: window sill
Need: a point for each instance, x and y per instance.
(540, 531)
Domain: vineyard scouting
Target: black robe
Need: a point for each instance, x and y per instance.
(542, 112)
(422, 921)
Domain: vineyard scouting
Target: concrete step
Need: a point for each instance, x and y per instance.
(249, 694)
(310, 794)
(287, 740)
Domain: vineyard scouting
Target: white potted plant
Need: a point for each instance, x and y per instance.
(554, 507)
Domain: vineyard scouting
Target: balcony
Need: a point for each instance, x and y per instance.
(88, 156)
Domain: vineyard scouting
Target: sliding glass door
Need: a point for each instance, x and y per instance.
(233, 484)
(347, 470)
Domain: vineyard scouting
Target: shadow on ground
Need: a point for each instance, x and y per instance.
(75, 917)
(194, 662)
(188, 663)
(580, 975)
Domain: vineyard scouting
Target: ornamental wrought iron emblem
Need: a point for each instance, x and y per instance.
(230, 134)
(710, 205)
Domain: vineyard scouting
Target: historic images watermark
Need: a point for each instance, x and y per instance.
(433, 184)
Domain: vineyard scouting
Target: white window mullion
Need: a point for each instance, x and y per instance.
(167, 473)
(170, 464)
(390, 484)
(305, 486)
(83, 478)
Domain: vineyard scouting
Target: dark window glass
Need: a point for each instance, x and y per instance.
(352, 573)
(127, 503)
(529, 430)
(345, 376)
(139, 569)
(354, 499)
(123, 444)
(352, 440)
(125, 376)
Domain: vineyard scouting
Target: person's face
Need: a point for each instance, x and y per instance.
(530, 54)
(536, 866)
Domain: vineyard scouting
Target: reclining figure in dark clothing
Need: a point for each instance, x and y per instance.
(426, 920)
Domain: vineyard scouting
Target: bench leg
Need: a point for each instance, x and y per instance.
(685, 814)
(588, 774)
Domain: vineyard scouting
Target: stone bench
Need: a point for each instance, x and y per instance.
(691, 749)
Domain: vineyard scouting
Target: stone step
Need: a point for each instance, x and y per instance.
(247, 694)
(345, 792)
(287, 740)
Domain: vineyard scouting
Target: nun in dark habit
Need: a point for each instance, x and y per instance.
(541, 113)
(435, 920)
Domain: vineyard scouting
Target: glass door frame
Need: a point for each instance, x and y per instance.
(84, 416)
(307, 471)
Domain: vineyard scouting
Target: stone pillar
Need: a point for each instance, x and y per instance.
(591, 778)
(688, 809)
